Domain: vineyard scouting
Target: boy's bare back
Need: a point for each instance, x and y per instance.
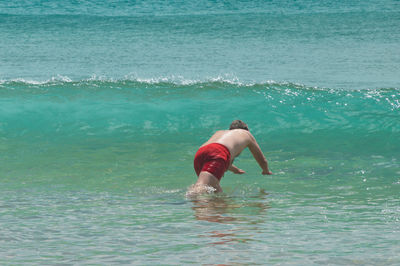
(235, 140)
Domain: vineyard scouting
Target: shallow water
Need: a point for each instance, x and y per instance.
(103, 106)
(96, 172)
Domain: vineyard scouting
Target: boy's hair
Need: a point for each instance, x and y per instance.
(238, 124)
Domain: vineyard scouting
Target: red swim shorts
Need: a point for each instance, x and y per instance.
(213, 158)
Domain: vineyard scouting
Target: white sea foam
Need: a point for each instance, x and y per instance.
(227, 79)
(196, 190)
(55, 79)
(174, 79)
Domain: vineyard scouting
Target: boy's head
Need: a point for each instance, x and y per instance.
(238, 124)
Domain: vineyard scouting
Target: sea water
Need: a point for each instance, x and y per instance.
(104, 104)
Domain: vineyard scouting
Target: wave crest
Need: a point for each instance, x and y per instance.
(172, 80)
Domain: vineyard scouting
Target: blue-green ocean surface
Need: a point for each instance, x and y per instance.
(103, 105)
(96, 172)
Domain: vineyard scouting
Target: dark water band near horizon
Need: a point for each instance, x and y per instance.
(104, 104)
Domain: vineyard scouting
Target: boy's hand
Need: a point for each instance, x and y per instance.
(266, 172)
(239, 171)
(235, 170)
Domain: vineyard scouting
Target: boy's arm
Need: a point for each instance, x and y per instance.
(258, 155)
(235, 170)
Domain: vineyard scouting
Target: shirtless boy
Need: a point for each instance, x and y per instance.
(216, 156)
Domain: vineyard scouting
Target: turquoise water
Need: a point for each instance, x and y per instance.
(103, 105)
(326, 43)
